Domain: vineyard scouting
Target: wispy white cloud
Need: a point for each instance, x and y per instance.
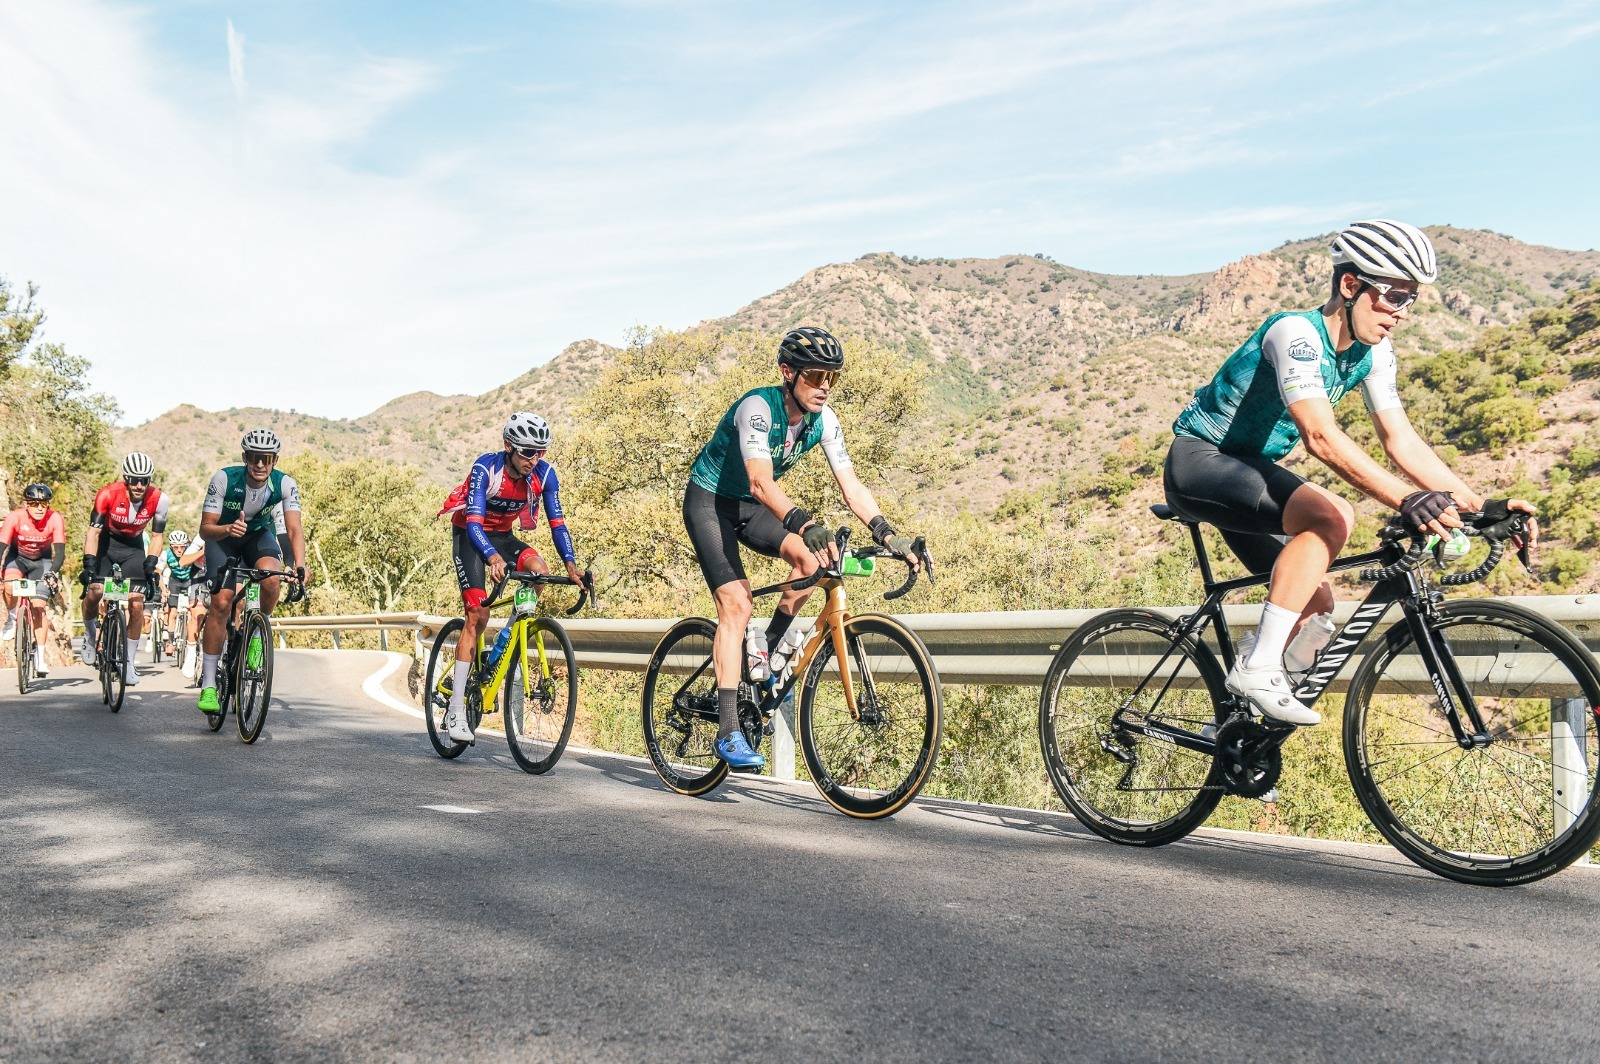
(236, 60)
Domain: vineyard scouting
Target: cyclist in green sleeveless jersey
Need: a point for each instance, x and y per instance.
(237, 523)
(733, 497)
(1279, 389)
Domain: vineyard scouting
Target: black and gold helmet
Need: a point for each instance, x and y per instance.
(809, 346)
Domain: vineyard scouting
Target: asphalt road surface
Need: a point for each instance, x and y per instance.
(171, 894)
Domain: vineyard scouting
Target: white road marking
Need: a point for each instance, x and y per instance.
(450, 808)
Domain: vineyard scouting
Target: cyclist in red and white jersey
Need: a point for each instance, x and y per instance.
(35, 541)
(123, 510)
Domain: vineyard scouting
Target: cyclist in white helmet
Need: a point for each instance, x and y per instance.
(123, 512)
(181, 566)
(1278, 389)
(237, 522)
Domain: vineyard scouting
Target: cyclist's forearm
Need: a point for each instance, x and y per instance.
(1427, 470)
(1353, 465)
(768, 494)
(58, 556)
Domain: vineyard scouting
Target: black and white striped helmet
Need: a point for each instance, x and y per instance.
(261, 441)
(1382, 248)
(138, 464)
(528, 430)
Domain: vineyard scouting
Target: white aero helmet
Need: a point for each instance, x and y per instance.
(138, 464)
(177, 537)
(528, 430)
(1382, 248)
(261, 441)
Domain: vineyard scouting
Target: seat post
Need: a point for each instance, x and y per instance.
(1200, 553)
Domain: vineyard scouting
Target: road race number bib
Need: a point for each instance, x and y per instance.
(118, 590)
(252, 597)
(26, 589)
(526, 600)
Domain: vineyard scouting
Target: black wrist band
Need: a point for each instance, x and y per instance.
(795, 520)
(879, 527)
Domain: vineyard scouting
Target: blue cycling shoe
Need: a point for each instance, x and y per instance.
(735, 750)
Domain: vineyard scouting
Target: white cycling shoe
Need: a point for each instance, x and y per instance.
(1269, 692)
(130, 675)
(40, 666)
(455, 724)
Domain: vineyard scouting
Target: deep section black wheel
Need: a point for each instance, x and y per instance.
(1114, 677)
(436, 689)
(1515, 809)
(24, 646)
(113, 658)
(539, 699)
(680, 709)
(870, 763)
(252, 689)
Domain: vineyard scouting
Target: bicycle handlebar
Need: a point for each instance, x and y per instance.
(585, 586)
(919, 549)
(1496, 534)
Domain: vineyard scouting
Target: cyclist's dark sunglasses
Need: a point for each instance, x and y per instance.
(530, 452)
(136, 482)
(816, 378)
(258, 458)
(1391, 296)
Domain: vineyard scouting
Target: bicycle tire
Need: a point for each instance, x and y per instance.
(252, 692)
(1086, 757)
(538, 733)
(676, 724)
(872, 766)
(155, 635)
(24, 647)
(180, 638)
(113, 651)
(1512, 660)
(436, 698)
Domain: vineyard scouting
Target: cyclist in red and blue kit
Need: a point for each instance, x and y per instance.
(503, 489)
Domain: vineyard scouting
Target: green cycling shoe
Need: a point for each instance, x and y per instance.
(209, 702)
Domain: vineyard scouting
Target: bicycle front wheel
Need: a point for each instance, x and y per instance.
(870, 764)
(153, 633)
(436, 689)
(680, 709)
(1517, 809)
(24, 648)
(113, 659)
(540, 698)
(252, 688)
(1106, 685)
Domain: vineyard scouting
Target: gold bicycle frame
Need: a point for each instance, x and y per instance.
(830, 624)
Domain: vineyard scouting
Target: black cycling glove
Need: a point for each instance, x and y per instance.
(1420, 507)
(1494, 511)
(817, 538)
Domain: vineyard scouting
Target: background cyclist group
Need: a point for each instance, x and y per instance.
(1276, 390)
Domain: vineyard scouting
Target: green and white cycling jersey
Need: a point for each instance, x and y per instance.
(1244, 410)
(757, 426)
(231, 498)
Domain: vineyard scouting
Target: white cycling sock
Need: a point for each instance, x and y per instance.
(133, 648)
(208, 670)
(1271, 637)
(458, 684)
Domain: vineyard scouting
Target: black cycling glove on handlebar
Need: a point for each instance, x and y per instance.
(1420, 507)
(1494, 511)
(817, 538)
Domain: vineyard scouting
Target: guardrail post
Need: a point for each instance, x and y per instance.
(1569, 722)
(336, 639)
(783, 741)
(283, 640)
(383, 639)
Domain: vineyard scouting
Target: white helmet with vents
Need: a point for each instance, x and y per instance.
(528, 430)
(1387, 249)
(138, 464)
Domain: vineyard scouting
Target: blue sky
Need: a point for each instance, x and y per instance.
(325, 205)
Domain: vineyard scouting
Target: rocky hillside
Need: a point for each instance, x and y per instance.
(1038, 368)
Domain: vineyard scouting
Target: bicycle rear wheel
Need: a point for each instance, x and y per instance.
(436, 689)
(113, 659)
(537, 710)
(252, 689)
(24, 646)
(1103, 684)
(1518, 809)
(680, 709)
(872, 764)
(153, 632)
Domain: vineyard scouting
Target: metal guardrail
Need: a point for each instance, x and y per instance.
(1005, 648)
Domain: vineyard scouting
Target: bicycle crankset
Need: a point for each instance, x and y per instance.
(1249, 757)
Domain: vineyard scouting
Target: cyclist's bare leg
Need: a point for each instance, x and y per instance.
(135, 615)
(217, 634)
(1320, 522)
(272, 587)
(802, 563)
(41, 620)
(734, 606)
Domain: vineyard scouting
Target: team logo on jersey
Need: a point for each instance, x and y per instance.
(759, 423)
(1302, 351)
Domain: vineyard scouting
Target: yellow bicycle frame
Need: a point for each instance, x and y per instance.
(517, 645)
(830, 625)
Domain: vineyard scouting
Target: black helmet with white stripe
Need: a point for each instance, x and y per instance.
(1387, 249)
(809, 346)
(528, 430)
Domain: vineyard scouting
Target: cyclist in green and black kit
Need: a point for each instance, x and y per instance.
(733, 497)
